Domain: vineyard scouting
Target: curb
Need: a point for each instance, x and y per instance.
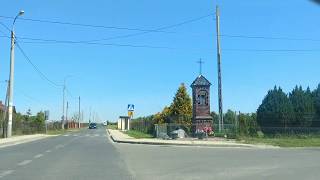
(179, 144)
(7, 144)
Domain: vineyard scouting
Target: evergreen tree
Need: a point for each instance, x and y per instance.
(303, 106)
(316, 101)
(181, 107)
(275, 111)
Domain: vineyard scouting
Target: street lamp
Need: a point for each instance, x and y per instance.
(10, 109)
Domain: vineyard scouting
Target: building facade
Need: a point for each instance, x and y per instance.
(201, 118)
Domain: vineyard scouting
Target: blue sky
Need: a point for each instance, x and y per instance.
(109, 77)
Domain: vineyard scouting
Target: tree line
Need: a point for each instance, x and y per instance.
(25, 123)
(178, 112)
(278, 112)
(298, 109)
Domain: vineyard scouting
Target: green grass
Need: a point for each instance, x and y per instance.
(138, 134)
(287, 141)
(112, 126)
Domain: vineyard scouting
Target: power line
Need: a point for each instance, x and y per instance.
(69, 93)
(79, 24)
(5, 26)
(163, 47)
(35, 67)
(142, 31)
(154, 30)
(50, 41)
(30, 97)
(273, 50)
(269, 38)
(102, 26)
(41, 41)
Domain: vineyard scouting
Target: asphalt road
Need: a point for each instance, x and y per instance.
(90, 155)
(83, 155)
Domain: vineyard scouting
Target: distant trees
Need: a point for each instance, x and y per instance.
(276, 110)
(300, 108)
(248, 124)
(28, 124)
(179, 112)
(303, 106)
(316, 100)
(181, 107)
(229, 117)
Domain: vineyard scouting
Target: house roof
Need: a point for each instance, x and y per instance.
(200, 81)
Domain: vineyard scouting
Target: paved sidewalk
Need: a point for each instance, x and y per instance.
(21, 139)
(120, 137)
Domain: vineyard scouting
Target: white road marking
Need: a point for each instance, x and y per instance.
(75, 135)
(59, 146)
(38, 156)
(66, 135)
(47, 151)
(87, 135)
(97, 135)
(25, 162)
(5, 173)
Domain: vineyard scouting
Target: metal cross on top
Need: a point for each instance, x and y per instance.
(200, 64)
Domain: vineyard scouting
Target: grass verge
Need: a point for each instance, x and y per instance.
(283, 141)
(112, 126)
(138, 134)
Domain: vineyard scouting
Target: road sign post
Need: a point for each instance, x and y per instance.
(130, 113)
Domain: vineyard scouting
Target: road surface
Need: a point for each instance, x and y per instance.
(80, 156)
(89, 154)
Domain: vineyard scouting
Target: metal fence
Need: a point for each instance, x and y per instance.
(167, 129)
(145, 126)
(29, 127)
(230, 130)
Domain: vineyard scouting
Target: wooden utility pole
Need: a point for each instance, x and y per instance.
(221, 126)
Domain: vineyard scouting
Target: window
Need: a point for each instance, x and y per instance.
(203, 97)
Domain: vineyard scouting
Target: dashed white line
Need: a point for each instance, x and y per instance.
(47, 151)
(59, 146)
(5, 173)
(25, 162)
(38, 156)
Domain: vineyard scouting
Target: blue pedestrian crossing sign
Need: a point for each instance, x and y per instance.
(130, 107)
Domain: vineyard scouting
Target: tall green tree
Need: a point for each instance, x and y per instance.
(181, 107)
(247, 124)
(303, 106)
(215, 117)
(276, 110)
(229, 117)
(39, 121)
(316, 101)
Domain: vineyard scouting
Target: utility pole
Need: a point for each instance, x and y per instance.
(221, 126)
(90, 116)
(11, 77)
(67, 114)
(10, 109)
(63, 99)
(79, 114)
